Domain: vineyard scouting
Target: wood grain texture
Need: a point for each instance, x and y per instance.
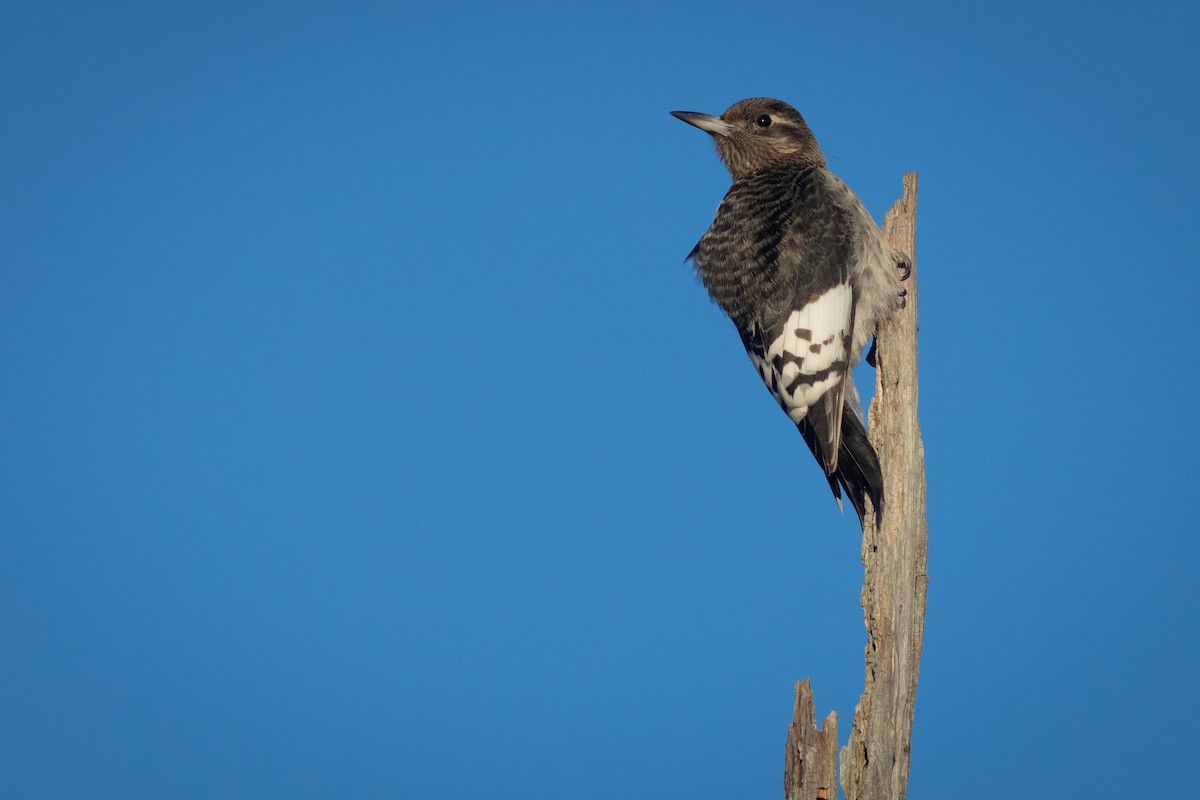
(810, 764)
(875, 762)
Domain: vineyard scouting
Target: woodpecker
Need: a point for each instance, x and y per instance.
(796, 262)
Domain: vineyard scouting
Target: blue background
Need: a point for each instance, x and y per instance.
(363, 433)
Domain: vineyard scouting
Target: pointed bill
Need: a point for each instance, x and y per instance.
(705, 122)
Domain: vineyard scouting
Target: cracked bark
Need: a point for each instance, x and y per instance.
(875, 762)
(810, 765)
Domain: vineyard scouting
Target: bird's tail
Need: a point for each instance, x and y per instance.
(857, 469)
(858, 466)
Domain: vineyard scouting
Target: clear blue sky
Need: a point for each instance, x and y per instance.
(364, 434)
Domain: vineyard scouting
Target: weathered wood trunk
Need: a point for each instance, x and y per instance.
(875, 762)
(810, 766)
(874, 765)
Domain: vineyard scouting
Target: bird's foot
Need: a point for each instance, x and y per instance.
(871, 353)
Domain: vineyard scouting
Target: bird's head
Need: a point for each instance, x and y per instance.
(759, 134)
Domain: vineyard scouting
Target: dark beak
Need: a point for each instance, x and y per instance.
(705, 122)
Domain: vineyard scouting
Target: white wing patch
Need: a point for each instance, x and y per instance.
(809, 358)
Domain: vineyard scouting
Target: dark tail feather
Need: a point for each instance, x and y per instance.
(858, 466)
(814, 444)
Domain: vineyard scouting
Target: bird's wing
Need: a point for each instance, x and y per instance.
(780, 260)
(804, 362)
(805, 316)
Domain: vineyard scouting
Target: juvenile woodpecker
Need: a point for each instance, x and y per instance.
(799, 266)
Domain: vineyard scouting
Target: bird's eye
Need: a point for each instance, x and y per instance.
(763, 121)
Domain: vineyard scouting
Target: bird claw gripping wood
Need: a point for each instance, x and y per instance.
(904, 268)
